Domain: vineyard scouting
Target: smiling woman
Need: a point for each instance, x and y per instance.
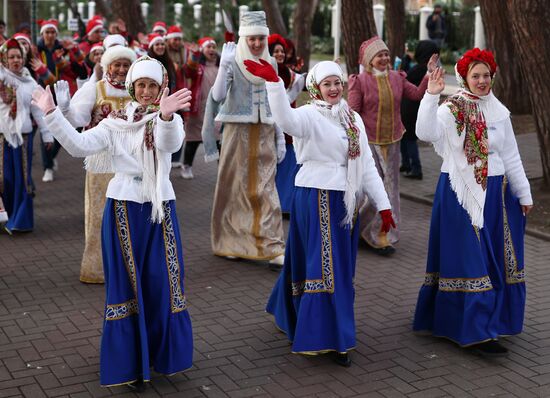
(16, 185)
(376, 95)
(146, 90)
(474, 286)
(246, 215)
(146, 320)
(337, 171)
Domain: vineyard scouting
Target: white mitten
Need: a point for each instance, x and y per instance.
(62, 95)
(228, 54)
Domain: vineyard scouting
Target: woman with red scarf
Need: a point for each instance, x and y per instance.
(474, 288)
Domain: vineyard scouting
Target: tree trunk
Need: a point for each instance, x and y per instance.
(159, 10)
(130, 12)
(356, 28)
(274, 17)
(103, 9)
(18, 13)
(395, 27)
(510, 80)
(530, 32)
(303, 17)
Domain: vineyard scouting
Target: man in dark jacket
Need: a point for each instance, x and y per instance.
(437, 29)
(410, 159)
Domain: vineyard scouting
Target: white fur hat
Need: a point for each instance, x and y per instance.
(325, 69)
(253, 23)
(145, 67)
(114, 40)
(116, 52)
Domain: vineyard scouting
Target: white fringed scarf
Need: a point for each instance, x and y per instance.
(467, 155)
(21, 85)
(132, 129)
(343, 115)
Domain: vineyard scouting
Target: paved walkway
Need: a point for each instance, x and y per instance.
(50, 324)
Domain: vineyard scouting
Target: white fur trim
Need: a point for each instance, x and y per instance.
(207, 42)
(158, 38)
(174, 35)
(113, 40)
(253, 31)
(97, 27)
(22, 37)
(149, 69)
(49, 25)
(117, 52)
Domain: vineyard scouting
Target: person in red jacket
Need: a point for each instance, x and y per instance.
(202, 78)
(94, 34)
(65, 61)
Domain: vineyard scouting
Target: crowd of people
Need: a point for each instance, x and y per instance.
(135, 111)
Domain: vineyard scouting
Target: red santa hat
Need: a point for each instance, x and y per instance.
(154, 38)
(96, 23)
(204, 41)
(48, 23)
(174, 32)
(22, 36)
(97, 46)
(159, 25)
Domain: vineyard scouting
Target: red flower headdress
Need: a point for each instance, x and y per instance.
(476, 55)
(276, 38)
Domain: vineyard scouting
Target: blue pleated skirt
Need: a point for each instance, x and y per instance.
(146, 324)
(312, 300)
(284, 179)
(474, 288)
(16, 186)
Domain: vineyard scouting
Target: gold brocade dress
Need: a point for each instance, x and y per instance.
(91, 269)
(246, 216)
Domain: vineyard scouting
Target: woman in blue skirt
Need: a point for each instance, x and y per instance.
(312, 300)
(146, 320)
(16, 186)
(474, 288)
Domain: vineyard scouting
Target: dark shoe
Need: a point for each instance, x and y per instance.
(275, 267)
(137, 386)
(383, 251)
(404, 169)
(413, 176)
(490, 348)
(342, 359)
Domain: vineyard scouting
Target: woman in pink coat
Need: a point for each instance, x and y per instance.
(376, 95)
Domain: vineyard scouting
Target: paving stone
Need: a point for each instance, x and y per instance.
(51, 321)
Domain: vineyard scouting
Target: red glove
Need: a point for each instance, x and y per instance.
(387, 220)
(262, 69)
(229, 36)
